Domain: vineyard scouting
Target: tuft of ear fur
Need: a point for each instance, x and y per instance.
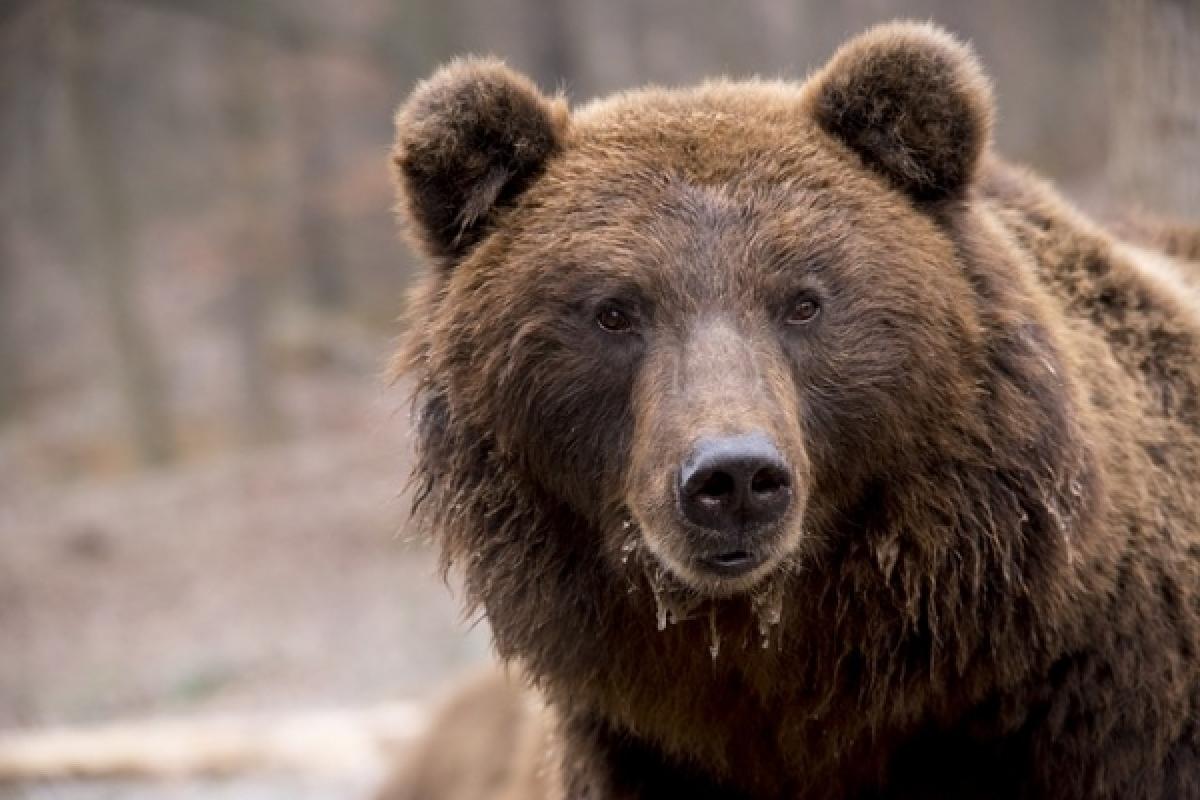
(913, 102)
(468, 141)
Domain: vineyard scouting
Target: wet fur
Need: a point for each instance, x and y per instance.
(996, 590)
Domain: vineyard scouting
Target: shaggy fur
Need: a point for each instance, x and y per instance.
(913, 103)
(988, 581)
(470, 140)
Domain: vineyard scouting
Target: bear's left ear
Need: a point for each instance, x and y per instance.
(913, 102)
(468, 141)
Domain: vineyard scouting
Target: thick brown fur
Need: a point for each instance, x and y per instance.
(490, 741)
(988, 581)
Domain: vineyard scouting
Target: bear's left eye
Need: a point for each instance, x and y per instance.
(804, 308)
(613, 320)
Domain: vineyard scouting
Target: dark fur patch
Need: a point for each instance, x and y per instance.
(468, 141)
(913, 103)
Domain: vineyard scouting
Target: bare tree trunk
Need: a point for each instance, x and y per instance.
(262, 420)
(319, 236)
(550, 43)
(1154, 157)
(10, 382)
(109, 232)
(613, 53)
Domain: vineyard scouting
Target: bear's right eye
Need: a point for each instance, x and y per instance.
(613, 320)
(804, 309)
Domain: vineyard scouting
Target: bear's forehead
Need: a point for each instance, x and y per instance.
(752, 144)
(708, 135)
(665, 207)
(688, 244)
(719, 189)
(757, 102)
(693, 179)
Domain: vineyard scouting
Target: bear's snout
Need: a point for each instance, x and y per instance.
(734, 487)
(720, 477)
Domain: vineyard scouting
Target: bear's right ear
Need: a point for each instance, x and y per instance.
(468, 141)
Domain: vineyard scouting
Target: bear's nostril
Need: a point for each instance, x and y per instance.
(768, 480)
(716, 486)
(733, 485)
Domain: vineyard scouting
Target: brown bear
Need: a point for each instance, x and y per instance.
(796, 446)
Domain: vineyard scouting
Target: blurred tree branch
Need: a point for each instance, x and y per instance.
(1154, 156)
(317, 219)
(250, 184)
(105, 217)
(9, 363)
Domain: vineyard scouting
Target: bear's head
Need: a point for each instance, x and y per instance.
(714, 333)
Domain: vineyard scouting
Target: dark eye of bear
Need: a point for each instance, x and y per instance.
(804, 309)
(613, 320)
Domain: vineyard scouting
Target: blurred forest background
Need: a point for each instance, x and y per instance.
(201, 465)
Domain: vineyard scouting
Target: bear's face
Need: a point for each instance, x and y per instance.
(719, 356)
(703, 322)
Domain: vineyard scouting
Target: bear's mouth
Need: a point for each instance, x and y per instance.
(679, 597)
(730, 563)
(709, 569)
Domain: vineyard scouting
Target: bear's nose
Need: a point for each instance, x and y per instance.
(735, 484)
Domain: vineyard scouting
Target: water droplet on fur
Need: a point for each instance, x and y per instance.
(1076, 488)
(628, 549)
(714, 637)
(671, 605)
(764, 632)
(887, 553)
(655, 578)
(1056, 516)
(660, 611)
(768, 607)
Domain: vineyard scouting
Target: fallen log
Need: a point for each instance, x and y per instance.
(315, 742)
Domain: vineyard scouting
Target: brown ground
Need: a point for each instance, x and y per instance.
(273, 581)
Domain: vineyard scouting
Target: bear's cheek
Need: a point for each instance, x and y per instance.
(566, 419)
(650, 491)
